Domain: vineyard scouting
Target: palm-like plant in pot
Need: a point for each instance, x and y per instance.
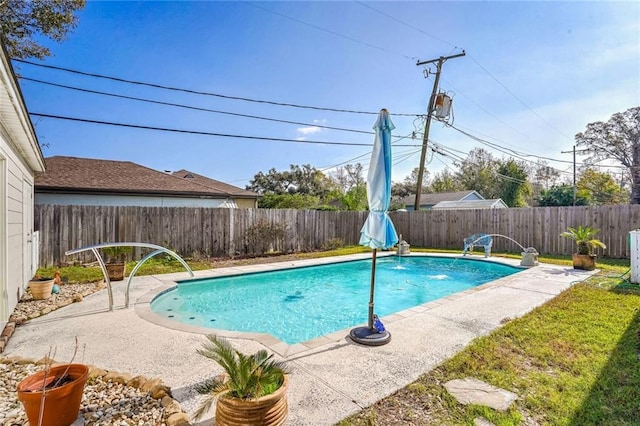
(584, 236)
(252, 390)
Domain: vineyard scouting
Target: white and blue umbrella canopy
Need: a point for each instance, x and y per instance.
(378, 230)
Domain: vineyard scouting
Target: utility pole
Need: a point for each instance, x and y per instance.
(425, 139)
(574, 172)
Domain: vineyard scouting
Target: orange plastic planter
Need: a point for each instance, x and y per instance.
(62, 403)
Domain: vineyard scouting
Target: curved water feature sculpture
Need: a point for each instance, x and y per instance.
(158, 249)
(529, 254)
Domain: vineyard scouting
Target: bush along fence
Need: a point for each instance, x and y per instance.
(231, 232)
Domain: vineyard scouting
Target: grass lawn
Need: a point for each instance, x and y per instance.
(573, 361)
(167, 264)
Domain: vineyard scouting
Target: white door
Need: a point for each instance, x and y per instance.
(27, 231)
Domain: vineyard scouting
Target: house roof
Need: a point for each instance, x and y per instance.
(215, 185)
(435, 198)
(87, 175)
(470, 204)
(14, 117)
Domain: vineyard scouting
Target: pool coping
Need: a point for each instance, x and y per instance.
(142, 306)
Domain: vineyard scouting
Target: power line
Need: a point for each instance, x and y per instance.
(256, 117)
(196, 132)
(198, 92)
(325, 168)
(483, 109)
(406, 24)
(518, 99)
(505, 150)
(474, 60)
(330, 31)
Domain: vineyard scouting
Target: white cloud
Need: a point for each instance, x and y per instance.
(310, 130)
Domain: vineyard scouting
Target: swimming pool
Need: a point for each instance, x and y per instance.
(297, 305)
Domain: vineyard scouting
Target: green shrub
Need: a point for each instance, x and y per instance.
(333, 244)
(264, 237)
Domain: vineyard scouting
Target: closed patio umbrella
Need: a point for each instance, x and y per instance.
(378, 231)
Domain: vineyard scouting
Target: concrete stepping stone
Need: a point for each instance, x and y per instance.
(481, 421)
(473, 391)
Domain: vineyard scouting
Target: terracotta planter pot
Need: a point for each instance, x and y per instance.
(270, 410)
(115, 271)
(585, 262)
(62, 403)
(41, 289)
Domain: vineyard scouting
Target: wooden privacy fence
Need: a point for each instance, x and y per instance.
(221, 232)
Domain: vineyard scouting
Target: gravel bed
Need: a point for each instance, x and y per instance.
(105, 401)
(29, 308)
(109, 398)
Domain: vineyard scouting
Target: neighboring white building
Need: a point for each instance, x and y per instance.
(427, 201)
(495, 203)
(20, 159)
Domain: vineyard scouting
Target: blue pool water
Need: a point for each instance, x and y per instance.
(300, 304)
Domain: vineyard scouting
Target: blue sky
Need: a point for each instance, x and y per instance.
(535, 74)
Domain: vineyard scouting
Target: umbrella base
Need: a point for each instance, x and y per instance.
(369, 336)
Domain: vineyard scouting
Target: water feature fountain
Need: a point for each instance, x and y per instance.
(529, 254)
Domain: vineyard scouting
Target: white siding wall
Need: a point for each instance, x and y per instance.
(13, 232)
(120, 200)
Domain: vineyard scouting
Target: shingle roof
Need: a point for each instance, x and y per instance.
(496, 203)
(107, 176)
(431, 199)
(216, 185)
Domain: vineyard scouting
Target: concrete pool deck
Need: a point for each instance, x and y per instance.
(331, 377)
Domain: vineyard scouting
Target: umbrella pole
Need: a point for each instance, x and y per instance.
(369, 335)
(373, 283)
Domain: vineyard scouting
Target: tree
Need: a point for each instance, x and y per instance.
(515, 187)
(445, 181)
(273, 182)
(478, 172)
(601, 187)
(289, 201)
(617, 139)
(408, 185)
(308, 180)
(355, 198)
(350, 187)
(545, 175)
(562, 195)
(348, 176)
(21, 21)
(305, 180)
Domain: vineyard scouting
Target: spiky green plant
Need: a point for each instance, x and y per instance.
(584, 236)
(247, 376)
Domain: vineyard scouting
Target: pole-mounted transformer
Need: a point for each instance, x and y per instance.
(443, 105)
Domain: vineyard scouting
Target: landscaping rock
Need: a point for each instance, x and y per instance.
(178, 419)
(473, 391)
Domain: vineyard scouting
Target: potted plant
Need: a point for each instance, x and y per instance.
(116, 261)
(52, 396)
(584, 236)
(41, 287)
(252, 390)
